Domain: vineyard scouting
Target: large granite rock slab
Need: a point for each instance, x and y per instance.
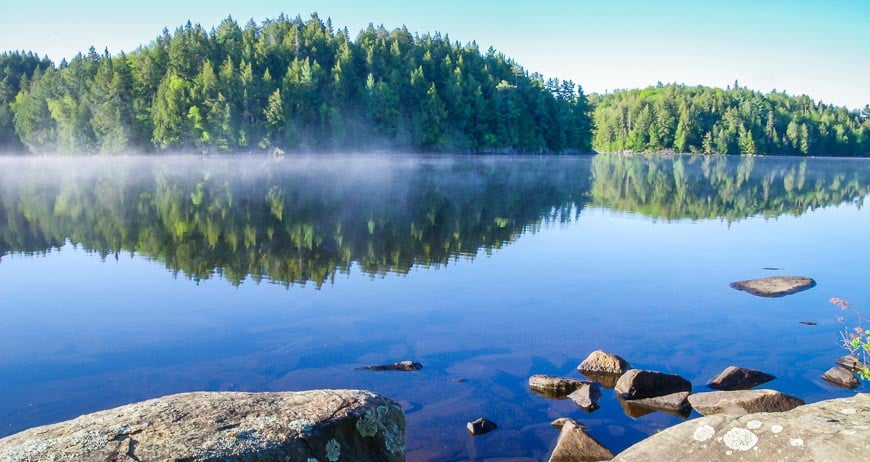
(743, 402)
(326, 425)
(837, 429)
(775, 286)
(637, 384)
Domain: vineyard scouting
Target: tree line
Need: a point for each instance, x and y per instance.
(684, 119)
(288, 84)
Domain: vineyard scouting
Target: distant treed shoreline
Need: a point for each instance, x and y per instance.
(293, 85)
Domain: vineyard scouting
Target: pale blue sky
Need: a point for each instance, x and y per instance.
(821, 48)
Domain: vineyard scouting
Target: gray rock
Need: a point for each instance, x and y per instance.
(739, 378)
(839, 376)
(835, 430)
(603, 362)
(636, 384)
(852, 363)
(554, 387)
(743, 402)
(402, 366)
(480, 426)
(574, 445)
(586, 397)
(775, 286)
(675, 404)
(323, 424)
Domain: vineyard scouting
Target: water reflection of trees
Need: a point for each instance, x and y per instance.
(300, 220)
(731, 188)
(287, 223)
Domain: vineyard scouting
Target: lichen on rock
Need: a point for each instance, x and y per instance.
(367, 424)
(740, 439)
(333, 450)
(704, 432)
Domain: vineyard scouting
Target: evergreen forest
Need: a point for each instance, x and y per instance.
(294, 85)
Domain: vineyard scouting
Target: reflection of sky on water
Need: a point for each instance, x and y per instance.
(81, 334)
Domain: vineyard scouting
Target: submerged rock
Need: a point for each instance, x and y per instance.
(739, 378)
(403, 366)
(322, 424)
(775, 286)
(838, 429)
(636, 384)
(743, 402)
(839, 376)
(586, 397)
(675, 404)
(574, 445)
(551, 386)
(480, 426)
(603, 362)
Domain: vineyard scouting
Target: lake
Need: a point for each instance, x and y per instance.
(129, 278)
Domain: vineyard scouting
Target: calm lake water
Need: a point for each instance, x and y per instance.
(127, 279)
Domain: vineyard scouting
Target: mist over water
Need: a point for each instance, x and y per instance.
(134, 277)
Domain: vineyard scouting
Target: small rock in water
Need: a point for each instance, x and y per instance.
(851, 362)
(480, 426)
(404, 366)
(772, 268)
(586, 397)
(602, 361)
(551, 386)
(636, 384)
(809, 323)
(839, 376)
(775, 286)
(575, 445)
(739, 378)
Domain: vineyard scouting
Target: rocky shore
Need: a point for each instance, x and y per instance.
(739, 423)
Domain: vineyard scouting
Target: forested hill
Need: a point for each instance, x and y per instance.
(288, 84)
(293, 85)
(737, 120)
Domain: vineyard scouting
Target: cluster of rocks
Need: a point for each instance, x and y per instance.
(643, 391)
(843, 373)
